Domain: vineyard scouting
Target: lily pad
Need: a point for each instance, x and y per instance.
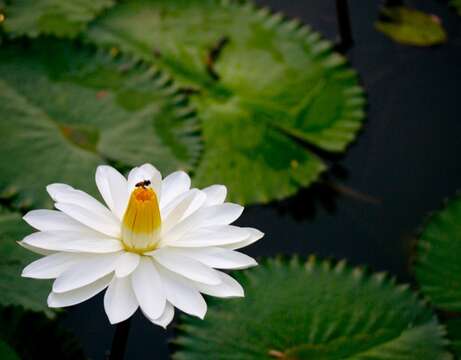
(271, 93)
(28, 293)
(56, 17)
(410, 26)
(314, 310)
(66, 109)
(438, 265)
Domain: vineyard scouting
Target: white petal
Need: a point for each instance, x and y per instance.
(85, 272)
(51, 220)
(255, 235)
(181, 294)
(69, 241)
(114, 189)
(181, 208)
(186, 267)
(166, 318)
(119, 300)
(51, 266)
(174, 185)
(229, 287)
(65, 194)
(35, 249)
(223, 214)
(215, 194)
(126, 264)
(146, 172)
(95, 220)
(79, 295)
(218, 258)
(148, 288)
(209, 236)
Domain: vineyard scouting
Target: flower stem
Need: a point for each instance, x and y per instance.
(344, 26)
(119, 341)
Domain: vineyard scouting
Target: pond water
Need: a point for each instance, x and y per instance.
(403, 164)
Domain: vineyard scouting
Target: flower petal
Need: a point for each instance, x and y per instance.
(215, 194)
(84, 208)
(148, 288)
(119, 300)
(70, 241)
(126, 264)
(229, 287)
(181, 207)
(255, 235)
(95, 220)
(174, 185)
(223, 214)
(51, 266)
(85, 272)
(209, 236)
(35, 249)
(219, 258)
(181, 294)
(166, 318)
(145, 172)
(185, 266)
(51, 220)
(79, 295)
(114, 189)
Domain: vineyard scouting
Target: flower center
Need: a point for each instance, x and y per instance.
(141, 221)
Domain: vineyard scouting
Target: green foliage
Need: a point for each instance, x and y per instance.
(56, 17)
(438, 265)
(15, 290)
(264, 87)
(66, 109)
(454, 334)
(314, 310)
(34, 336)
(457, 5)
(410, 26)
(6, 352)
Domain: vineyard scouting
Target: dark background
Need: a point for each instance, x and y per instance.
(404, 163)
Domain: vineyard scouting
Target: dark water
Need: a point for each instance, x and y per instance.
(404, 163)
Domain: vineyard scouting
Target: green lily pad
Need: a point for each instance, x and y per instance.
(56, 17)
(28, 293)
(7, 353)
(35, 337)
(270, 92)
(438, 265)
(314, 310)
(62, 115)
(410, 26)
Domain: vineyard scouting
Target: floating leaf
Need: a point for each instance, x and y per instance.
(410, 26)
(265, 88)
(57, 17)
(15, 290)
(314, 310)
(66, 109)
(33, 336)
(438, 265)
(6, 352)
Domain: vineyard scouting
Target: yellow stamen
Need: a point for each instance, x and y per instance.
(142, 221)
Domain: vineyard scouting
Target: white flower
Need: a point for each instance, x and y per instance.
(155, 246)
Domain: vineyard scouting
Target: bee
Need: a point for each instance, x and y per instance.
(143, 183)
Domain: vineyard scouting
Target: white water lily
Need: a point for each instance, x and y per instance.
(156, 245)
